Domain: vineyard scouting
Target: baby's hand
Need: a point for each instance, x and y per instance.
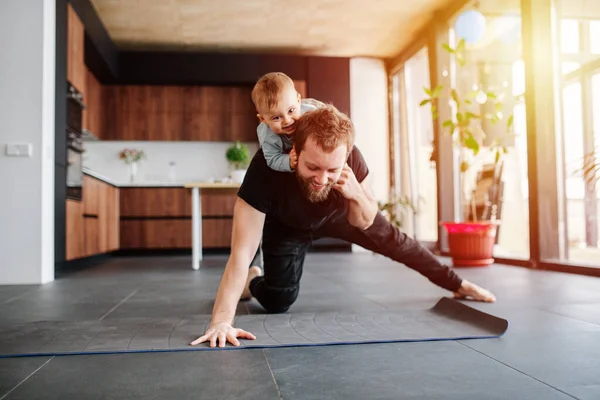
(293, 159)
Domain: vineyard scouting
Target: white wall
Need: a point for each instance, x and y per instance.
(195, 161)
(27, 40)
(369, 109)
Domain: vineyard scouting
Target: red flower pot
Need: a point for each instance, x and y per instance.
(471, 243)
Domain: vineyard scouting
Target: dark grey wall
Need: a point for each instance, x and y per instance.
(60, 142)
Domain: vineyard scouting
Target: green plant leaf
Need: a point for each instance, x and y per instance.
(471, 115)
(437, 90)
(447, 48)
(511, 119)
(427, 90)
(454, 95)
(464, 166)
(448, 123)
(422, 103)
(498, 107)
(491, 95)
(238, 155)
(461, 45)
(471, 143)
(497, 157)
(505, 149)
(469, 102)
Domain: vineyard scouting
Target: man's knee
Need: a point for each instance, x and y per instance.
(280, 299)
(276, 308)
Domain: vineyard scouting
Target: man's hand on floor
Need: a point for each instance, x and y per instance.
(222, 333)
(468, 289)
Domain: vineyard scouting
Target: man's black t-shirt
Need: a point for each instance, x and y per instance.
(279, 195)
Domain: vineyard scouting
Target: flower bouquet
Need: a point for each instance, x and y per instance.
(131, 155)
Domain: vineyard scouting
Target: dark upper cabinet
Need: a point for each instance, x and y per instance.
(179, 113)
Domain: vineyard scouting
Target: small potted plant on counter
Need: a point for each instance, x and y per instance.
(238, 157)
(471, 240)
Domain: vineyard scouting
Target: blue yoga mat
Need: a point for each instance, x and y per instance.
(447, 320)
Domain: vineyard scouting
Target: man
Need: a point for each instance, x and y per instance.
(327, 196)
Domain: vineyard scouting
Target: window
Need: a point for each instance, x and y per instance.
(495, 64)
(580, 91)
(594, 37)
(569, 36)
(573, 147)
(570, 66)
(423, 179)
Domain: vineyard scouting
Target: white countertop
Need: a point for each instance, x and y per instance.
(96, 175)
(186, 184)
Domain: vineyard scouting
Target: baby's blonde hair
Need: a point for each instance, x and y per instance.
(267, 89)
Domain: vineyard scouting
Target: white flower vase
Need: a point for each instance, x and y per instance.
(237, 175)
(133, 169)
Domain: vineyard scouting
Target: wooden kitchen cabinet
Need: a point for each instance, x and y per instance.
(218, 202)
(243, 115)
(178, 113)
(301, 88)
(93, 115)
(91, 235)
(75, 246)
(112, 218)
(156, 233)
(155, 202)
(147, 234)
(205, 113)
(76, 69)
(161, 218)
(91, 194)
(142, 112)
(93, 223)
(216, 233)
(108, 218)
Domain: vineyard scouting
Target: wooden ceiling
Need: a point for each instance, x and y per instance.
(349, 28)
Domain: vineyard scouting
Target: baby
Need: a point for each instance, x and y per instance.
(279, 106)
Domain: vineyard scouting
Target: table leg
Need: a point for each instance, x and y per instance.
(196, 228)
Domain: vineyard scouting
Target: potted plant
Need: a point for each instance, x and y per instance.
(238, 157)
(471, 241)
(397, 210)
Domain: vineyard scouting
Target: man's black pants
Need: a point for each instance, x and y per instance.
(284, 250)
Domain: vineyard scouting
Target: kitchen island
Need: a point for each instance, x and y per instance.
(148, 217)
(197, 215)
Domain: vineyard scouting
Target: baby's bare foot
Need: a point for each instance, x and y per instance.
(475, 292)
(253, 272)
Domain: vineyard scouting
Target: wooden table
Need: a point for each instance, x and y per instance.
(197, 215)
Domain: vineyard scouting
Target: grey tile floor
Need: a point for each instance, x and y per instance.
(551, 350)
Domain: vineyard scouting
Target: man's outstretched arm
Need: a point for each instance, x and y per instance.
(247, 231)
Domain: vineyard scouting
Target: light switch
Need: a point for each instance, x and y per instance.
(19, 150)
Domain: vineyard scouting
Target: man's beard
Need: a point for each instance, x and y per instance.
(314, 196)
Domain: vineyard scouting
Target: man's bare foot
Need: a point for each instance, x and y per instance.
(253, 272)
(468, 289)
